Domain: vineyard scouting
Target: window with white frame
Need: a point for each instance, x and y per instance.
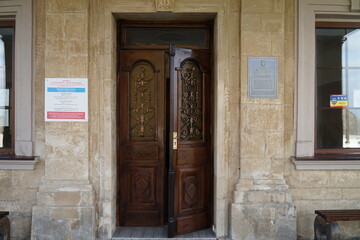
(16, 109)
(324, 132)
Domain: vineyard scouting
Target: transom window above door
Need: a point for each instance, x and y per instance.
(162, 35)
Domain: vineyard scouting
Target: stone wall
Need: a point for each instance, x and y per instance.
(313, 190)
(18, 190)
(65, 201)
(263, 207)
(74, 184)
(72, 190)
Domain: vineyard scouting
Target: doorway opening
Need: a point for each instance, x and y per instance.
(164, 128)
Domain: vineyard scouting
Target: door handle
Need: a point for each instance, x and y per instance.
(175, 140)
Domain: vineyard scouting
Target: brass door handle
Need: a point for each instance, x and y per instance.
(175, 140)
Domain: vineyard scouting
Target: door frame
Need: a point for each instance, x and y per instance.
(120, 47)
(102, 105)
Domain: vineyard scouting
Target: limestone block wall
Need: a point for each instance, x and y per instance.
(262, 207)
(313, 190)
(266, 31)
(18, 190)
(64, 206)
(73, 187)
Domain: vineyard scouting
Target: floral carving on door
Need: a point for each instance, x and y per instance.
(191, 101)
(142, 99)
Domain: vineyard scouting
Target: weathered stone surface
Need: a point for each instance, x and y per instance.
(44, 227)
(273, 23)
(63, 223)
(20, 224)
(78, 46)
(68, 6)
(67, 168)
(83, 229)
(26, 179)
(56, 46)
(264, 221)
(254, 138)
(56, 65)
(66, 198)
(76, 26)
(55, 26)
(344, 178)
(5, 178)
(316, 194)
(256, 43)
(78, 66)
(257, 6)
(263, 210)
(65, 213)
(255, 167)
(253, 145)
(307, 179)
(66, 145)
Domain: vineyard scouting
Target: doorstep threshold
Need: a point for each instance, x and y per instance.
(159, 233)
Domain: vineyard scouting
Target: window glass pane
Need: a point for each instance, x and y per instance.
(329, 83)
(337, 73)
(329, 47)
(6, 85)
(353, 48)
(338, 128)
(165, 36)
(353, 87)
(329, 128)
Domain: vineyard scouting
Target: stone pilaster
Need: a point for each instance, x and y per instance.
(64, 211)
(65, 207)
(262, 207)
(263, 210)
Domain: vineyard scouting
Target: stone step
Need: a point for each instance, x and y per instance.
(127, 238)
(159, 233)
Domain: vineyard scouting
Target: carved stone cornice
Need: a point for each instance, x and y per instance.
(164, 5)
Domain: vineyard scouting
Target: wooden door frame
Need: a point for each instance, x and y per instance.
(120, 46)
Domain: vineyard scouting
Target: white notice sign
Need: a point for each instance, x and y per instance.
(66, 99)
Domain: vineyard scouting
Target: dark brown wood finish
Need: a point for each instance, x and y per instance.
(146, 194)
(190, 171)
(319, 24)
(325, 224)
(339, 215)
(141, 167)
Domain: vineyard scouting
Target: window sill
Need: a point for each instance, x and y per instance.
(12, 162)
(328, 162)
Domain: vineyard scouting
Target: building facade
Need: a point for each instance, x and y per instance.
(268, 168)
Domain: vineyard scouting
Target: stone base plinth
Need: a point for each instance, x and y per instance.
(64, 212)
(263, 211)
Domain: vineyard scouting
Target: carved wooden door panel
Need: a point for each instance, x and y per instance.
(141, 138)
(190, 168)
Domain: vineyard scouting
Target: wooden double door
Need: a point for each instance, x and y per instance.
(165, 144)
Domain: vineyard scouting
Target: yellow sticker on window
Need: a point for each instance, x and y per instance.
(338, 101)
